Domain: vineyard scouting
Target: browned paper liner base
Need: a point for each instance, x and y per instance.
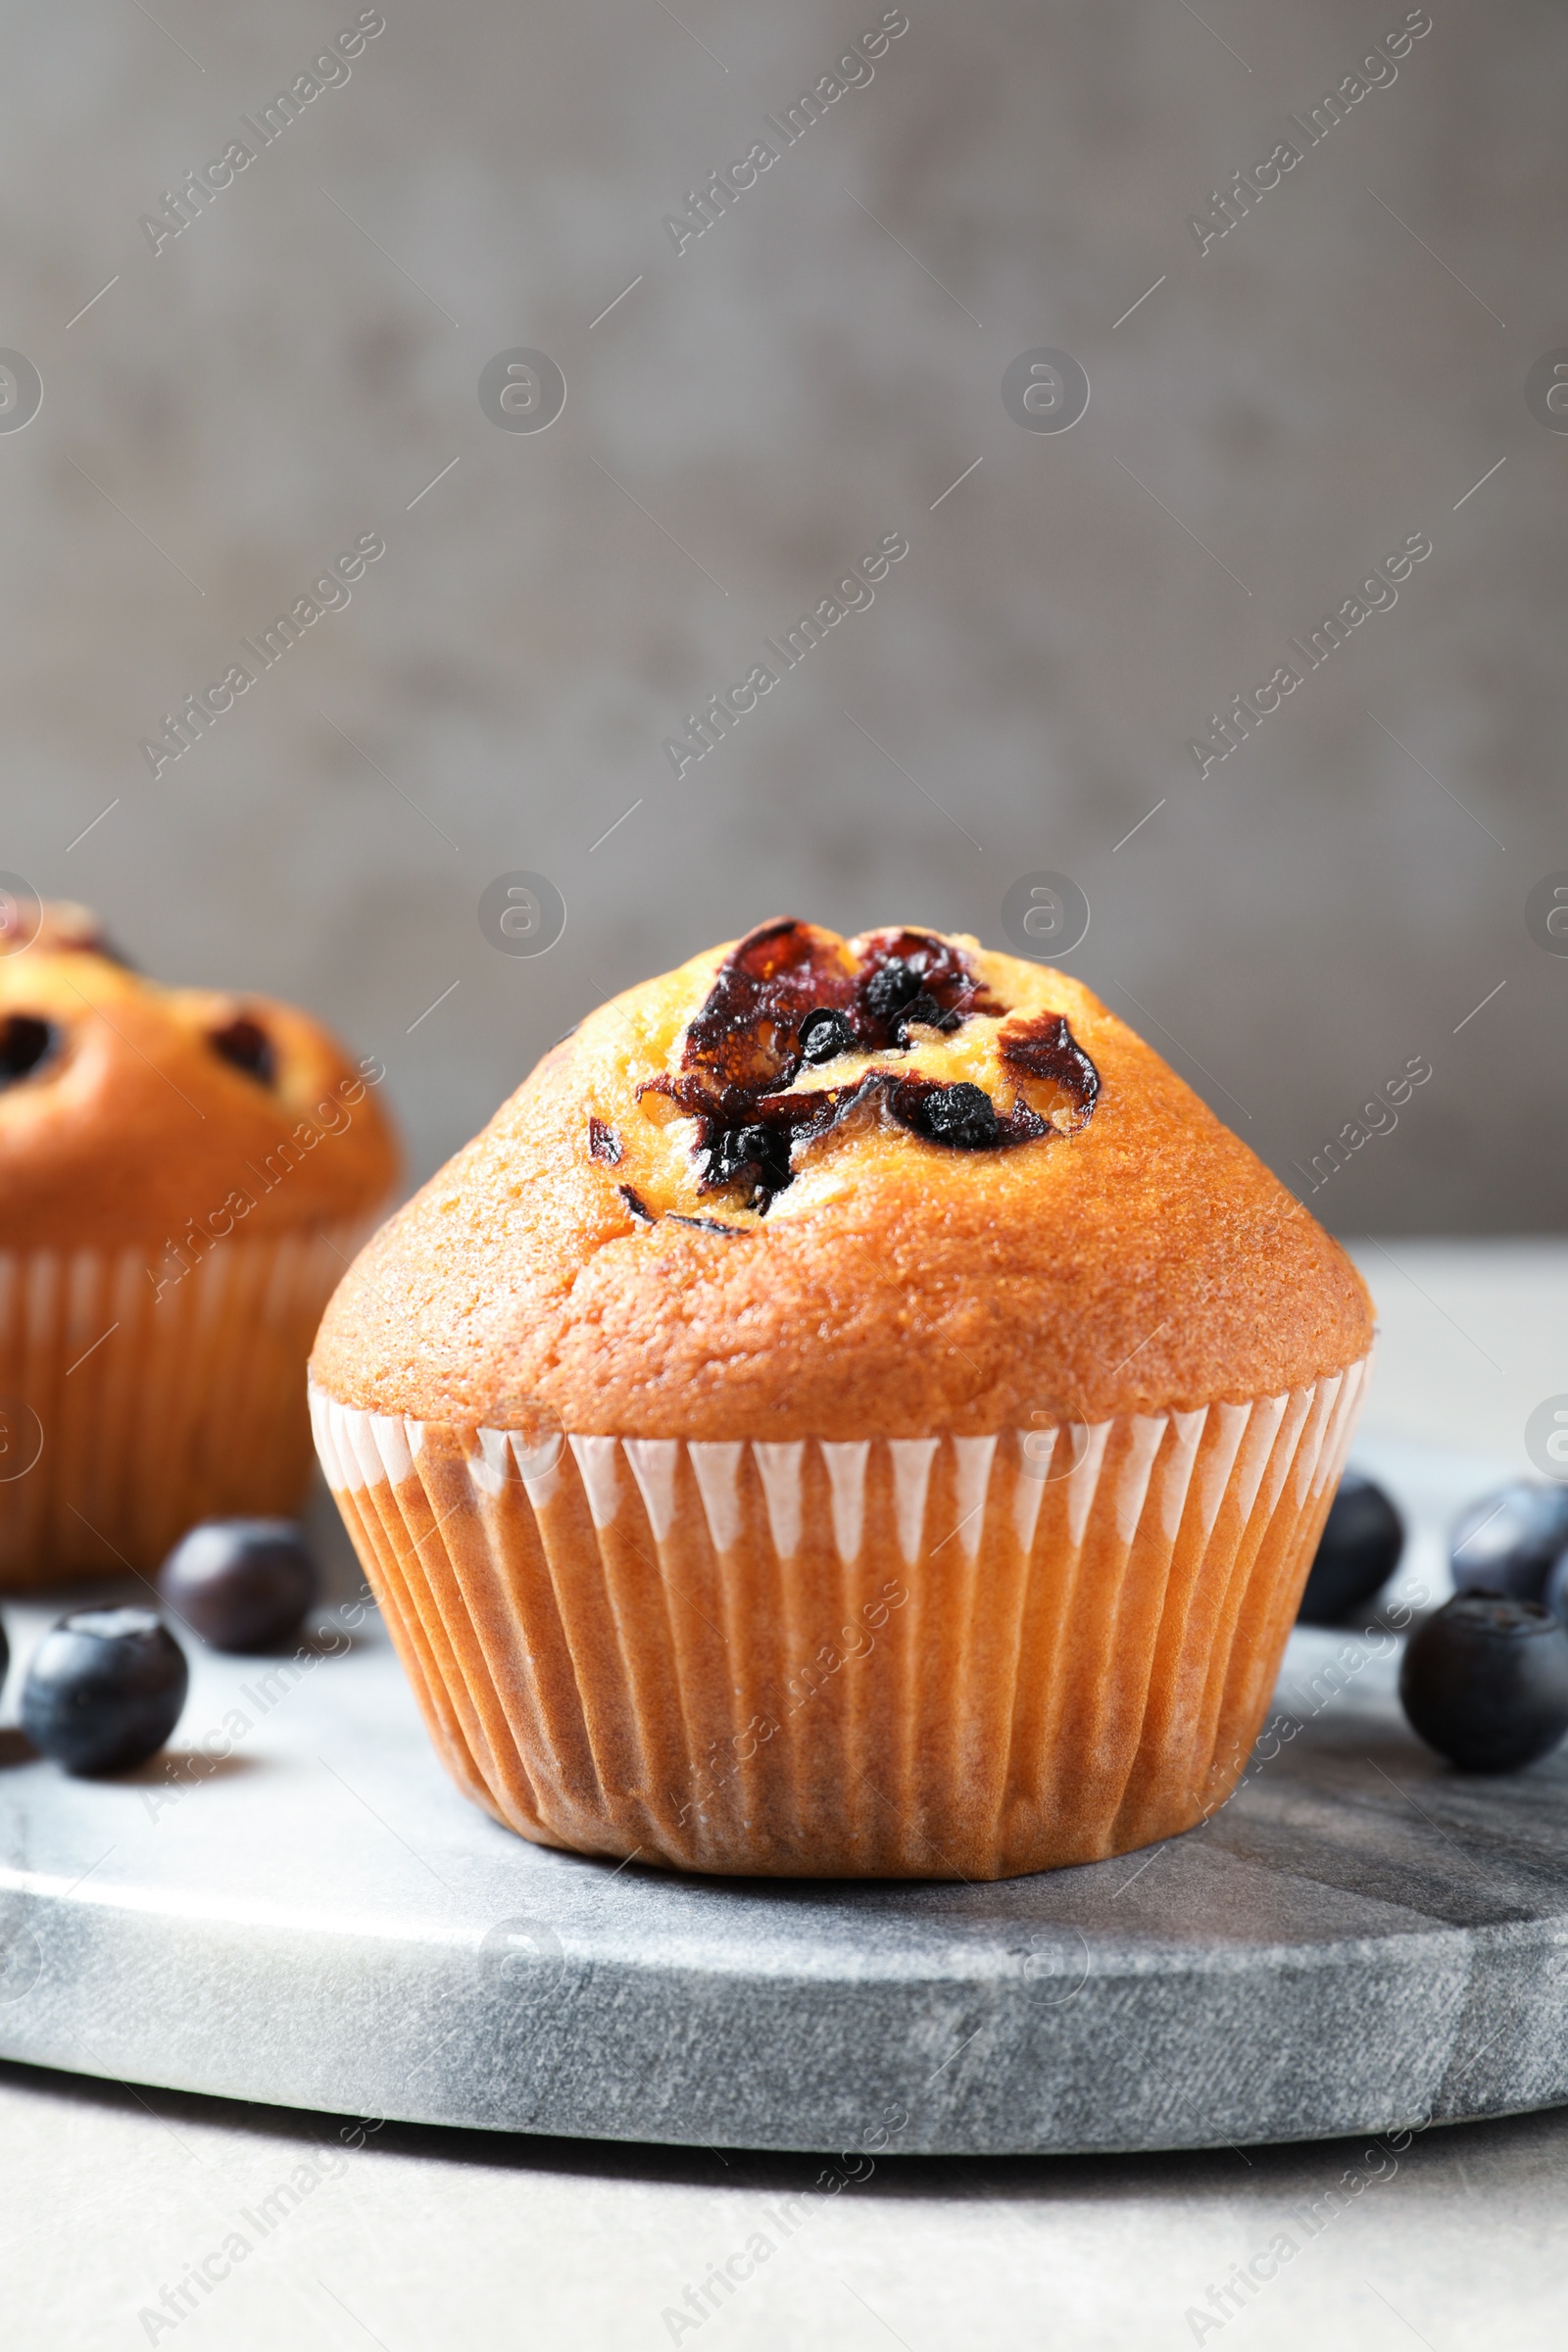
(127, 1414)
(917, 1659)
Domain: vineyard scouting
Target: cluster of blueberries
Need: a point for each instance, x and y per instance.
(1485, 1679)
(105, 1687)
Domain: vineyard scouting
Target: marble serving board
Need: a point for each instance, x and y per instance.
(1360, 1940)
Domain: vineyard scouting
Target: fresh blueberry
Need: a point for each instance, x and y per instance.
(241, 1583)
(1357, 1553)
(1507, 1542)
(104, 1689)
(825, 1034)
(1485, 1681)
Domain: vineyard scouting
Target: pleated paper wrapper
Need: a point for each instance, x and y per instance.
(920, 1659)
(126, 1415)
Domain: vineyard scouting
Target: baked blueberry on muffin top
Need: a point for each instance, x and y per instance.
(802, 1034)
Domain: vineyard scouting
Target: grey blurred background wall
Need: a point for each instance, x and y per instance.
(813, 372)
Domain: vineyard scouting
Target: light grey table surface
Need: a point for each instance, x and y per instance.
(419, 2237)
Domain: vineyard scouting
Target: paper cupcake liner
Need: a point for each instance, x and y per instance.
(127, 1414)
(915, 1658)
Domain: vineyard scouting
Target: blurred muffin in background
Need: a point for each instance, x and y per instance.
(184, 1175)
(59, 926)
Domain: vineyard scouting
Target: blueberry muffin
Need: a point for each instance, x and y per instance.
(853, 1411)
(184, 1177)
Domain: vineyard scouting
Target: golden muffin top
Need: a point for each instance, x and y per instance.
(814, 1186)
(134, 1113)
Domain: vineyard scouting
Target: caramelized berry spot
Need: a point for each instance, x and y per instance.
(638, 1207)
(246, 1045)
(825, 1033)
(604, 1143)
(27, 1041)
(789, 996)
(1045, 1048)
